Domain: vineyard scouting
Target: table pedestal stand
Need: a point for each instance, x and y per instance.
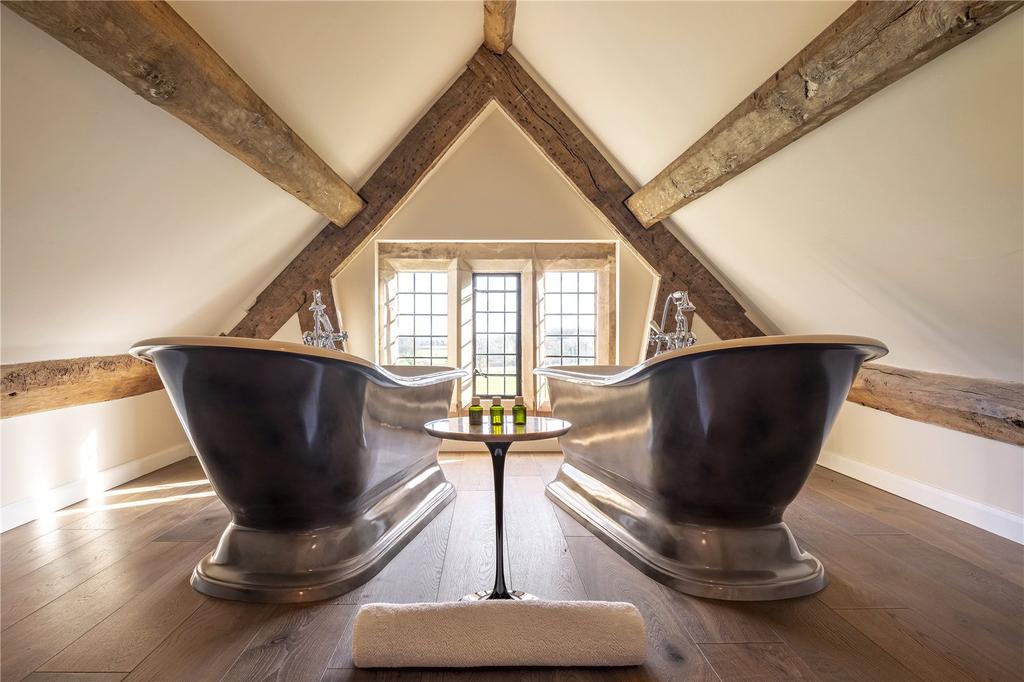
(500, 591)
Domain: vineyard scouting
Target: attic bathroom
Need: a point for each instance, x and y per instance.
(498, 340)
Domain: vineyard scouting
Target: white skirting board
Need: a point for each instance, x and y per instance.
(23, 511)
(993, 519)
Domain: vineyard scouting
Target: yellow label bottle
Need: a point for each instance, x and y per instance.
(519, 411)
(476, 412)
(497, 411)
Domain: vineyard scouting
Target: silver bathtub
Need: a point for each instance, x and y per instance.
(685, 463)
(319, 456)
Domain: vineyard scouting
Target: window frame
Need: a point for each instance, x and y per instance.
(476, 275)
(529, 259)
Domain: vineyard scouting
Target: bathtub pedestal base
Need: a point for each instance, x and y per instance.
(309, 565)
(757, 563)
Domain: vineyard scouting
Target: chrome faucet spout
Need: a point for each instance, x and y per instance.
(683, 336)
(323, 334)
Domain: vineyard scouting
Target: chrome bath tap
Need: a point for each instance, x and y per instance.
(323, 334)
(682, 337)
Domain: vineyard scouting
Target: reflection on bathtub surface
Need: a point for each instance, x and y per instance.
(685, 464)
(319, 456)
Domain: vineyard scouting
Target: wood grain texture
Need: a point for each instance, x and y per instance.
(868, 47)
(583, 164)
(756, 662)
(126, 604)
(499, 20)
(295, 643)
(671, 652)
(498, 77)
(29, 387)
(398, 175)
(983, 407)
(148, 47)
(983, 549)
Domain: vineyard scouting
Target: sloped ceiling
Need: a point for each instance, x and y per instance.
(135, 226)
(121, 222)
(901, 219)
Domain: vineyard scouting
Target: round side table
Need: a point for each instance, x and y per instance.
(498, 440)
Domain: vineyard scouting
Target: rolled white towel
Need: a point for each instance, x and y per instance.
(498, 633)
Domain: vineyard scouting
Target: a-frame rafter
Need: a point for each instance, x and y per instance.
(503, 79)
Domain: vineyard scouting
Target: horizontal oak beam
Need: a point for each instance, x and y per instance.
(983, 407)
(871, 45)
(499, 19)
(152, 50)
(53, 384)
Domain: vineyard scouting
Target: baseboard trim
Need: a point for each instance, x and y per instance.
(993, 519)
(21, 512)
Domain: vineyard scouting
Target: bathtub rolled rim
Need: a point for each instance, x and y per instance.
(572, 373)
(143, 350)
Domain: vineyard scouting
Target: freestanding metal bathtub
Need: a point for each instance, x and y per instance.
(685, 463)
(320, 457)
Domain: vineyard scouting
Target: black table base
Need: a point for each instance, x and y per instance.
(500, 590)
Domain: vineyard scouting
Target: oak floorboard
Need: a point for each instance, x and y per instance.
(206, 644)
(477, 473)
(547, 465)
(15, 537)
(899, 632)
(469, 560)
(671, 652)
(75, 677)
(118, 512)
(862, 576)
(124, 638)
(40, 551)
(296, 642)
(840, 515)
(712, 621)
(451, 465)
(34, 639)
(539, 559)
(831, 647)
(937, 609)
(205, 524)
(34, 590)
(756, 662)
(954, 573)
(415, 573)
(995, 554)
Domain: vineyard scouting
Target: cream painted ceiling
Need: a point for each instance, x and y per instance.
(139, 227)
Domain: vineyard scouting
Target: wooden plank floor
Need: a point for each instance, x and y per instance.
(100, 592)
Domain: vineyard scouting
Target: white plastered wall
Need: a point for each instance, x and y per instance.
(902, 219)
(120, 222)
(495, 185)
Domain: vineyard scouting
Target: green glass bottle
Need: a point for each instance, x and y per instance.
(519, 411)
(497, 412)
(476, 412)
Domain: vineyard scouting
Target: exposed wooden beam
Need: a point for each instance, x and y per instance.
(983, 407)
(868, 47)
(396, 178)
(499, 19)
(52, 384)
(596, 179)
(152, 50)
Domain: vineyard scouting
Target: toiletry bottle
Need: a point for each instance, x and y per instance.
(476, 412)
(519, 411)
(497, 411)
